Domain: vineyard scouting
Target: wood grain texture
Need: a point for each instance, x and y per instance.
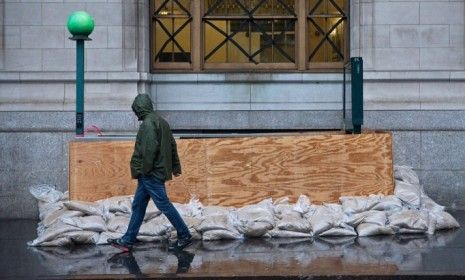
(240, 171)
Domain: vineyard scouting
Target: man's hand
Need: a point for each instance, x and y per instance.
(176, 174)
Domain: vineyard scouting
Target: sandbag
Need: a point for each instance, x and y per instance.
(388, 203)
(118, 203)
(89, 223)
(406, 174)
(302, 205)
(357, 204)
(340, 230)
(220, 234)
(368, 229)
(152, 211)
(56, 215)
(60, 241)
(445, 220)
(104, 236)
(256, 220)
(82, 236)
(45, 208)
(277, 233)
(151, 238)
(290, 220)
(430, 205)
(409, 194)
(409, 221)
(372, 216)
(52, 233)
(118, 224)
(155, 227)
(324, 217)
(89, 208)
(45, 193)
(222, 221)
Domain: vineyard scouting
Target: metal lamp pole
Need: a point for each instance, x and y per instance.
(80, 25)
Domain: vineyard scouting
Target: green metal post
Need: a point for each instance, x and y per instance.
(80, 25)
(80, 87)
(357, 93)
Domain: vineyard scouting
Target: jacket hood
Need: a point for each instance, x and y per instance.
(142, 106)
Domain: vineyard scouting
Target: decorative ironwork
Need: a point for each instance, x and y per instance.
(271, 20)
(327, 16)
(166, 17)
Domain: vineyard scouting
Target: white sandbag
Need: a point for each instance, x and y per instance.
(324, 217)
(220, 234)
(104, 236)
(291, 222)
(340, 230)
(89, 223)
(282, 200)
(388, 203)
(254, 229)
(46, 208)
(429, 204)
(372, 216)
(406, 174)
(368, 229)
(155, 227)
(150, 238)
(192, 222)
(409, 221)
(256, 220)
(52, 233)
(211, 210)
(89, 208)
(445, 220)
(45, 193)
(58, 242)
(82, 236)
(277, 233)
(302, 205)
(118, 224)
(56, 215)
(357, 204)
(288, 219)
(195, 207)
(221, 221)
(409, 194)
(118, 203)
(173, 235)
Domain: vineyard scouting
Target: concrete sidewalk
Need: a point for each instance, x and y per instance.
(440, 256)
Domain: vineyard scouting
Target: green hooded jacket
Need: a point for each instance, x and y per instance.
(155, 152)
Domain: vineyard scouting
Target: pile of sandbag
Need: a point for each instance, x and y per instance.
(409, 210)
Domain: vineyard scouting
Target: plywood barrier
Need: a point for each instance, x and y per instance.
(239, 171)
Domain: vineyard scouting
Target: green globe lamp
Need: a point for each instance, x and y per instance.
(80, 25)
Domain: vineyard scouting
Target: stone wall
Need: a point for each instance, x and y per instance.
(414, 54)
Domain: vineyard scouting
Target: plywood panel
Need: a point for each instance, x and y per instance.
(239, 171)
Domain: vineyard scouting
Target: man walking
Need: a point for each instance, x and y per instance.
(154, 161)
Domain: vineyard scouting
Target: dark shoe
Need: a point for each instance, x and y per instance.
(120, 244)
(180, 244)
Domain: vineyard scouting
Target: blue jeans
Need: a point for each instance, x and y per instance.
(152, 187)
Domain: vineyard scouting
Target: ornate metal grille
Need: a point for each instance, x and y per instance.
(327, 22)
(242, 31)
(171, 31)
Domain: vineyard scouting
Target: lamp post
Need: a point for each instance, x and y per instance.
(80, 25)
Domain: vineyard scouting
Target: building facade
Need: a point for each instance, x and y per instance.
(232, 65)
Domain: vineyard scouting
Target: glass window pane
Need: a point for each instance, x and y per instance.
(161, 38)
(213, 38)
(255, 40)
(326, 31)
